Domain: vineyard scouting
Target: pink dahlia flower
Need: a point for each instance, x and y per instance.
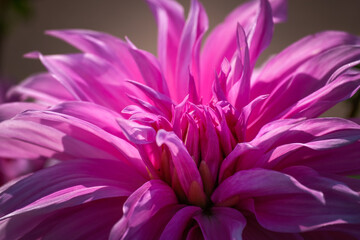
(192, 144)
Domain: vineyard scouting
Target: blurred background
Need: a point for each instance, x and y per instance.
(24, 24)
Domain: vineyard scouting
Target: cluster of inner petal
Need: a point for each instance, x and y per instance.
(187, 151)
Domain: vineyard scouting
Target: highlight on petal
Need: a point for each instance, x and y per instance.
(68, 184)
(170, 20)
(141, 207)
(43, 88)
(184, 166)
(189, 47)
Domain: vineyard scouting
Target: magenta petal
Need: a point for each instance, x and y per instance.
(170, 20)
(61, 225)
(161, 101)
(261, 183)
(344, 87)
(109, 48)
(194, 233)
(137, 133)
(312, 143)
(255, 231)
(223, 223)
(68, 184)
(44, 88)
(295, 213)
(177, 225)
(141, 206)
(90, 78)
(9, 110)
(95, 114)
(309, 74)
(184, 165)
(189, 47)
(239, 89)
(149, 68)
(74, 137)
(295, 55)
(260, 36)
(217, 48)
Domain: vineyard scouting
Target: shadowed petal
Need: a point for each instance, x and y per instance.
(184, 165)
(261, 183)
(9, 110)
(180, 221)
(140, 207)
(295, 214)
(61, 225)
(223, 223)
(216, 47)
(43, 88)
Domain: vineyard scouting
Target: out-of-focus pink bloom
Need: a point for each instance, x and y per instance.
(191, 144)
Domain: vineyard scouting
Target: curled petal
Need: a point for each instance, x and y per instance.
(185, 166)
(223, 223)
(140, 207)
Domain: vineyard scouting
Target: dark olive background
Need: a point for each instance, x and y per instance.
(133, 19)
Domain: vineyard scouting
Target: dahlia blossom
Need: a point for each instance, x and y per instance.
(192, 144)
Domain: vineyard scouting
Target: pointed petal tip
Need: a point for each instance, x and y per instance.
(33, 55)
(160, 137)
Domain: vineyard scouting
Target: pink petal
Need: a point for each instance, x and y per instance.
(262, 183)
(141, 206)
(68, 184)
(137, 133)
(63, 136)
(177, 225)
(189, 47)
(295, 213)
(344, 87)
(161, 101)
(223, 223)
(184, 165)
(314, 74)
(44, 88)
(150, 70)
(9, 110)
(239, 89)
(61, 224)
(105, 46)
(216, 47)
(90, 78)
(287, 61)
(260, 35)
(255, 231)
(170, 19)
(316, 142)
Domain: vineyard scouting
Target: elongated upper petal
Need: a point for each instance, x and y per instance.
(216, 47)
(185, 166)
(170, 19)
